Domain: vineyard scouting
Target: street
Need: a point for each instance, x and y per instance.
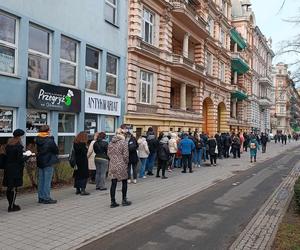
(211, 219)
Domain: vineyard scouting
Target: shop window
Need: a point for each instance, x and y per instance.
(68, 61)
(8, 44)
(111, 74)
(66, 132)
(7, 121)
(110, 124)
(39, 53)
(146, 85)
(90, 123)
(148, 26)
(92, 68)
(34, 120)
(111, 11)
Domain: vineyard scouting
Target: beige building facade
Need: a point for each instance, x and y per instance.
(179, 65)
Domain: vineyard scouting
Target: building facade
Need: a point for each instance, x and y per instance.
(262, 82)
(281, 111)
(64, 70)
(179, 65)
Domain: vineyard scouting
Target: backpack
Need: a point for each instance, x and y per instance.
(72, 158)
(132, 146)
(252, 145)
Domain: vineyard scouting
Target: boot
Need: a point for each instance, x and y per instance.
(114, 204)
(77, 191)
(10, 199)
(125, 202)
(83, 192)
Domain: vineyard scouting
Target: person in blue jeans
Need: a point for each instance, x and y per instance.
(47, 152)
(186, 146)
(143, 153)
(153, 146)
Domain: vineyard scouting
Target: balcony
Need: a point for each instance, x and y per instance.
(181, 61)
(239, 95)
(265, 81)
(238, 39)
(149, 49)
(238, 63)
(264, 101)
(186, 12)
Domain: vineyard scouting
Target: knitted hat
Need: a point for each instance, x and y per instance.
(18, 133)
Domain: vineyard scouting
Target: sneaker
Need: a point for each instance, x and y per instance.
(78, 191)
(41, 200)
(15, 208)
(215, 164)
(102, 189)
(134, 181)
(50, 201)
(128, 181)
(83, 193)
(199, 166)
(191, 171)
(144, 177)
(157, 176)
(164, 177)
(125, 203)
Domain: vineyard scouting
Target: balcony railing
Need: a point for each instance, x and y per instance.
(187, 62)
(189, 10)
(265, 81)
(239, 63)
(138, 42)
(264, 101)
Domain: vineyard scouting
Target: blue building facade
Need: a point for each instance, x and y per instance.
(62, 64)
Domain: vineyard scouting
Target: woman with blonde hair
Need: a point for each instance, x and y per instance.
(81, 173)
(91, 158)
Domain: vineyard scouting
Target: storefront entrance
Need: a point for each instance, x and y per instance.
(208, 117)
(222, 118)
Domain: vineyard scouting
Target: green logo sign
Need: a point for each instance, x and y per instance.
(68, 98)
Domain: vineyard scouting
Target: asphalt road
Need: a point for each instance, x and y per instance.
(209, 220)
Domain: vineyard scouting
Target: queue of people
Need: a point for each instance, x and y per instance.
(119, 159)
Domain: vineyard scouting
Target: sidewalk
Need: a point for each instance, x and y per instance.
(76, 220)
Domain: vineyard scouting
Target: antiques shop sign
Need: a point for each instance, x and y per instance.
(102, 104)
(51, 97)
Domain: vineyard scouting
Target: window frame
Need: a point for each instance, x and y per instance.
(98, 71)
(209, 70)
(210, 28)
(147, 83)
(222, 37)
(116, 76)
(14, 46)
(64, 61)
(14, 123)
(115, 7)
(115, 124)
(41, 54)
(150, 24)
(75, 125)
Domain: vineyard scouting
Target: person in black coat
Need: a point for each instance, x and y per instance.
(13, 168)
(264, 141)
(212, 146)
(163, 156)
(133, 157)
(47, 152)
(81, 170)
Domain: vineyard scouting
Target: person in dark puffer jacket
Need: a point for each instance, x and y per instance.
(47, 152)
(163, 156)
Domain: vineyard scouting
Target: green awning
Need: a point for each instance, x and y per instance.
(238, 38)
(239, 95)
(239, 65)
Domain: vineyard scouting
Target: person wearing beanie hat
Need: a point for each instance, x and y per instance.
(13, 169)
(47, 152)
(163, 156)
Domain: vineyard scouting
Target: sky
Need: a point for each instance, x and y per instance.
(271, 22)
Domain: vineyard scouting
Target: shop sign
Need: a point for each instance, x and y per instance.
(51, 97)
(102, 104)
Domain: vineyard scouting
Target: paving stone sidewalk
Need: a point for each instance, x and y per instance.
(260, 232)
(75, 220)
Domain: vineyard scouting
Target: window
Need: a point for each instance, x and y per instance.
(210, 26)
(110, 124)
(282, 109)
(8, 44)
(146, 83)
(209, 61)
(66, 132)
(223, 7)
(38, 53)
(68, 61)
(90, 123)
(222, 72)
(34, 120)
(111, 74)
(222, 37)
(111, 11)
(7, 121)
(92, 68)
(148, 25)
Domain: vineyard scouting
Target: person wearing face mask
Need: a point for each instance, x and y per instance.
(47, 152)
(14, 166)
